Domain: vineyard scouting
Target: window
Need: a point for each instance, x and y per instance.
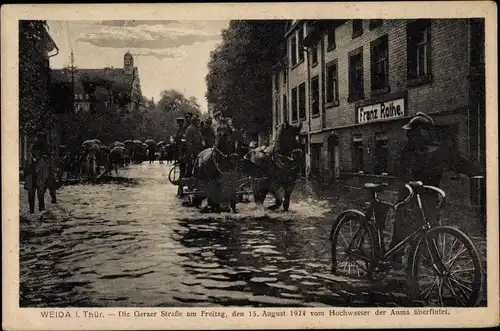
(285, 76)
(314, 55)
(294, 105)
(302, 101)
(375, 24)
(381, 153)
(330, 38)
(300, 49)
(293, 50)
(276, 81)
(380, 64)
(332, 83)
(285, 108)
(419, 54)
(357, 154)
(315, 96)
(357, 28)
(356, 82)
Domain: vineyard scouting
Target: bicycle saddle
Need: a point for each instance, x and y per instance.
(376, 187)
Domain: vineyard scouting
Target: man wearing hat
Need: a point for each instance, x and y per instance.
(187, 120)
(194, 143)
(178, 138)
(424, 160)
(216, 121)
(208, 133)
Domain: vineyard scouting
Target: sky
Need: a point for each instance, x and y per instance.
(168, 54)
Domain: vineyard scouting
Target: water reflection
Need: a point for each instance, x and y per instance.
(131, 244)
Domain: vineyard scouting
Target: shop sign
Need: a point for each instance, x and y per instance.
(382, 111)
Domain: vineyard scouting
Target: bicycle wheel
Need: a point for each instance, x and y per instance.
(174, 175)
(353, 247)
(455, 279)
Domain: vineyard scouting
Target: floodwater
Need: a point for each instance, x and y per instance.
(132, 244)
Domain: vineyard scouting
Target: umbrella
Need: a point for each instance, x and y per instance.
(150, 142)
(160, 143)
(144, 144)
(137, 141)
(91, 142)
(94, 148)
(128, 142)
(118, 150)
(118, 143)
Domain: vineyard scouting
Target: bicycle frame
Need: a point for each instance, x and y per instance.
(414, 188)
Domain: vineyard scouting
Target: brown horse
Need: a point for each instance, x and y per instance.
(275, 167)
(40, 176)
(214, 170)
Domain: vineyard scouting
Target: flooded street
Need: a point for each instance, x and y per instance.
(133, 244)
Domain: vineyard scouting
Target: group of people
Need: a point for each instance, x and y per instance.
(194, 135)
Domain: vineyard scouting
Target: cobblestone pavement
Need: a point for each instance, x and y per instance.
(130, 242)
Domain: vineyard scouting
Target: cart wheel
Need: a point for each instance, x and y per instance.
(174, 176)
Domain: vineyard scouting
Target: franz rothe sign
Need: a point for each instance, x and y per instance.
(382, 111)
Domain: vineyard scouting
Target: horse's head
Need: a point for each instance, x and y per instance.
(287, 138)
(224, 140)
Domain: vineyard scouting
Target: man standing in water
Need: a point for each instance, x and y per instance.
(426, 161)
(194, 144)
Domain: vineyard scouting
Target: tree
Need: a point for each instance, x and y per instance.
(160, 123)
(240, 69)
(34, 79)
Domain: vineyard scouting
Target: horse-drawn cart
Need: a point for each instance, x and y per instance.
(228, 185)
(225, 174)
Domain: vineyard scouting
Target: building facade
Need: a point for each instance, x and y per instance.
(118, 86)
(354, 83)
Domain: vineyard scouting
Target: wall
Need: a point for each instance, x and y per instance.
(449, 48)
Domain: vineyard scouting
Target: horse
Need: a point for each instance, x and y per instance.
(40, 176)
(275, 167)
(213, 170)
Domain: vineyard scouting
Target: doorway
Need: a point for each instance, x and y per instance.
(333, 151)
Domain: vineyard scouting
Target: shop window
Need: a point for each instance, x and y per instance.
(419, 51)
(314, 55)
(375, 24)
(302, 101)
(285, 108)
(294, 105)
(357, 154)
(332, 83)
(315, 96)
(293, 50)
(380, 65)
(381, 154)
(330, 38)
(356, 79)
(300, 49)
(357, 28)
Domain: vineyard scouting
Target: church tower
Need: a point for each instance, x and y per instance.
(128, 64)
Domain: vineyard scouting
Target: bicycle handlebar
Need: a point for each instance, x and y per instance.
(418, 186)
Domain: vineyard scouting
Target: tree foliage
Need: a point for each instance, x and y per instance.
(239, 82)
(34, 79)
(109, 121)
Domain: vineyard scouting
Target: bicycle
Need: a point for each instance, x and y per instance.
(368, 245)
